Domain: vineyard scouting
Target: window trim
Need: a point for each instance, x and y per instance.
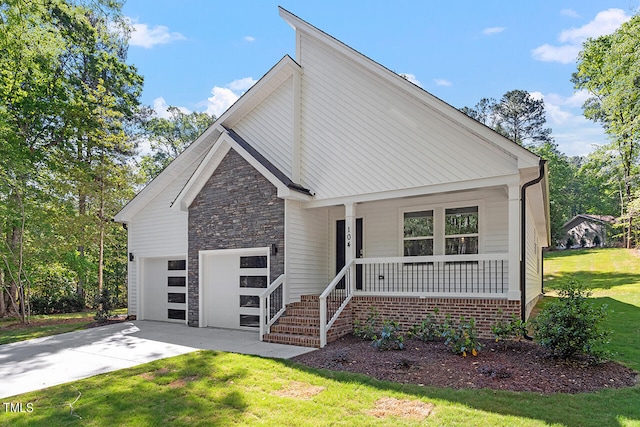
(439, 214)
(432, 237)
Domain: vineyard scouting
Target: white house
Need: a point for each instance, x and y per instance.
(334, 185)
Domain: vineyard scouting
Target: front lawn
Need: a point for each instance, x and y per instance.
(212, 388)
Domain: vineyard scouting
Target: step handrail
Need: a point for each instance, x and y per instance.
(324, 324)
(265, 305)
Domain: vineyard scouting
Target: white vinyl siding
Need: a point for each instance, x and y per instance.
(383, 220)
(268, 127)
(157, 231)
(307, 246)
(353, 122)
(533, 252)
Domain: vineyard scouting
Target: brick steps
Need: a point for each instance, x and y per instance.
(300, 324)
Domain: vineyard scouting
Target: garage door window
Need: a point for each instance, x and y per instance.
(177, 281)
(250, 320)
(177, 264)
(253, 262)
(176, 314)
(249, 301)
(253, 281)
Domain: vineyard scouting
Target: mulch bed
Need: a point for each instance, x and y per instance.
(521, 366)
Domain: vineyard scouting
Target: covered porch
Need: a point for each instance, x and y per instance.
(456, 251)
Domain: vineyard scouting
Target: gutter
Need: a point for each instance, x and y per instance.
(523, 237)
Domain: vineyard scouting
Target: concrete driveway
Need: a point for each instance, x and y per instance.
(44, 362)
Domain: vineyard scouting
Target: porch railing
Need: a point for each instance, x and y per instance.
(334, 299)
(272, 304)
(447, 275)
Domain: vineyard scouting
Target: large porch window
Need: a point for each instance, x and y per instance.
(441, 231)
(418, 233)
(461, 231)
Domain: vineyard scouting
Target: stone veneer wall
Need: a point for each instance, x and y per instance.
(237, 208)
(408, 311)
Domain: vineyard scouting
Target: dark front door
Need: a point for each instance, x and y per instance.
(340, 250)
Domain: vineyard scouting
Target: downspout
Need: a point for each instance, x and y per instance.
(523, 237)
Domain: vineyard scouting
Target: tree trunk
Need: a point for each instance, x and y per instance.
(3, 304)
(82, 210)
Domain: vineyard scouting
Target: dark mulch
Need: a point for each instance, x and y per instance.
(521, 366)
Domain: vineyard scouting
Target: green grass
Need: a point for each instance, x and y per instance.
(614, 276)
(12, 330)
(211, 388)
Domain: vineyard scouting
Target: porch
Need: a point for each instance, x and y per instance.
(404, 289)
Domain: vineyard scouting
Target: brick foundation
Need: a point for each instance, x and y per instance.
(408, 311)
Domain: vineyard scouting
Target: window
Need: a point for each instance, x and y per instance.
(176, 314)
(176, 281)
(253, 281)
(174, 297)
(249, 301)
(177, 264)
(461, 231)
(250, 320)
(418, 233)
(253, 262)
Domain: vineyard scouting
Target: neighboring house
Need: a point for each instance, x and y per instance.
(335, 185)
(587, 230)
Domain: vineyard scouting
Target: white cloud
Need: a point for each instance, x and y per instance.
(241, 85)
(605, 22)
(249, 39)
(160, 107)
(144, 36)
(493, 30)
(570, 13)
(223, 97)
(412, 78)
(563, 54)
(442, 82)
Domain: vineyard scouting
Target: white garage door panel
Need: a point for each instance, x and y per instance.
(231, 287)
(164, 289)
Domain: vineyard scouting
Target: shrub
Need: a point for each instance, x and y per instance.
(105, 303)
(572, 325)
(427, 330)
(367, 330)
(52, 304)
(389, 339)
(514, 329)
(461, 338)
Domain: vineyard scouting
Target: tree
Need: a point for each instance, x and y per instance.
(517, 116)
(521, 118)
(608, 69)
(66, 97)
(169, 137)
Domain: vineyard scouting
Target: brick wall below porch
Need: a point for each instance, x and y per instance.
(408, 311)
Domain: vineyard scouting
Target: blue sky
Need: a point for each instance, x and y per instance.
(200, 55)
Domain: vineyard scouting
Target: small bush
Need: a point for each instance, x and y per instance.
(106, 303)
(367, 330)
(461, 338)
(514, 329)
(389, 339)
(427, 330)
(572, 325)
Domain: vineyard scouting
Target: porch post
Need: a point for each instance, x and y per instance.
(350, 240)
(514, 242)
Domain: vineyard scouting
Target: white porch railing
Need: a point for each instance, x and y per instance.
(444, 275)
(272, 304)
(334, 299)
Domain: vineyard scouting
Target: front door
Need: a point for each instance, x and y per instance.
(340, 250)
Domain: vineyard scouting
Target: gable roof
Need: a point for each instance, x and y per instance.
(446, 111)
(192, 157)
(229, 140)
(600, 219)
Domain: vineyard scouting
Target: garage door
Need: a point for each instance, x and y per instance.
(164, 293)
(232, 281)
